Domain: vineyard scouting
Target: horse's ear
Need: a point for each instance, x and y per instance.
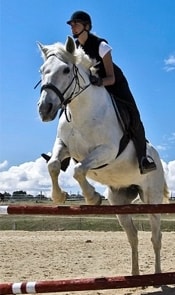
(43, 49)
(70, 45)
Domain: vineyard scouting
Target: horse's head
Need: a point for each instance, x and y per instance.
(61, 78)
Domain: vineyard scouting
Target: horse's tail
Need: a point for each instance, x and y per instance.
(166, 193)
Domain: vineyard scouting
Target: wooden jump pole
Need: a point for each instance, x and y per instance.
(89, 283)
(100, 283)
(87, 209)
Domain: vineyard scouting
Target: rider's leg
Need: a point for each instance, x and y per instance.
(123, 95)
(146, 163)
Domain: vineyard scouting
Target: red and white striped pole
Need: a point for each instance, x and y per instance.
(88, 210)
(88, 284)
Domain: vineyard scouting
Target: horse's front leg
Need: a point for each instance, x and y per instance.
(91, 196)
(96, 158)
(59, 153)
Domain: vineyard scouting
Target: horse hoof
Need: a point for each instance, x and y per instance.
(95, 201)
(62, 200)
(99, 201)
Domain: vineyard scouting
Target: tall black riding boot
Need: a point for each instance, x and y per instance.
(146, 163)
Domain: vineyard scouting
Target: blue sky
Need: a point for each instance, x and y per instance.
(141, 34)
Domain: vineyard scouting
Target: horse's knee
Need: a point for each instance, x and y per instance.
(79, 172)
(54, 166)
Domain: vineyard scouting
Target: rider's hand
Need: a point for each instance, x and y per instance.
(97, 81)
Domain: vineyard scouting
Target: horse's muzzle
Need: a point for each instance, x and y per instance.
(47, 112)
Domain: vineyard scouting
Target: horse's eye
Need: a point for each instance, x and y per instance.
(66, 70)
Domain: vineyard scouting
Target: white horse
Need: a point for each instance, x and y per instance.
(90, 132)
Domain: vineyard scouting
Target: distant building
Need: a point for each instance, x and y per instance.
(172, 195)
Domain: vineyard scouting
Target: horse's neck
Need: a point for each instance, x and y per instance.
(88, 102)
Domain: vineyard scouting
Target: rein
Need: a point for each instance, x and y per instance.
(74, 93)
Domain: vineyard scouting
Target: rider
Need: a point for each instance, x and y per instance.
(111, 76)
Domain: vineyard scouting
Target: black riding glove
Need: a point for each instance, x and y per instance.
(97, 81)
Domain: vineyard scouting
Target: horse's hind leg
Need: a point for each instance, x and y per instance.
(156, 239)
(127, 224)
(121, 197)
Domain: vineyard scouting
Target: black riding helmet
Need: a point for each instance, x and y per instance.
(82, 17)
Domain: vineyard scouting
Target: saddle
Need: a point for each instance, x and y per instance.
(123, 116)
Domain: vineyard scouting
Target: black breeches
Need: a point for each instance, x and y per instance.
(125, 101)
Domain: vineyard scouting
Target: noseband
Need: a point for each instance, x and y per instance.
(54, 89)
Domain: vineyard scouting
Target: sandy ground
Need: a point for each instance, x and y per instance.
(36, 256)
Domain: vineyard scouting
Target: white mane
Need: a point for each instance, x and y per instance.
(77, 57)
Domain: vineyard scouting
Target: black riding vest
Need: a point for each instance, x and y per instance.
(120, 89)
(91, 48)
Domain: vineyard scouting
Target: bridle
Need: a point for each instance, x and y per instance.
(74, 93)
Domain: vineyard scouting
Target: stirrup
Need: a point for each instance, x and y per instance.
(146, 166)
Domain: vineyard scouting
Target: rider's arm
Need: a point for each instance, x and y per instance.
(105, 54)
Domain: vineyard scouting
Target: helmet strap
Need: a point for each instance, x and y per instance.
(83, 30)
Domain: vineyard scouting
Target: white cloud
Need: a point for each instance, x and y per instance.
(170, 174)
(167, 145)
(30, 176)
(170, 63)
(161, 147)
(3, 165)
(172, 138)
(33, 177)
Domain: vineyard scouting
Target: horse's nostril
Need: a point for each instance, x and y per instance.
(45, 108)
(49, 107)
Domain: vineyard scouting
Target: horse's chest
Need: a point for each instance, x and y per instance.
(77, 143)
(85, 133)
